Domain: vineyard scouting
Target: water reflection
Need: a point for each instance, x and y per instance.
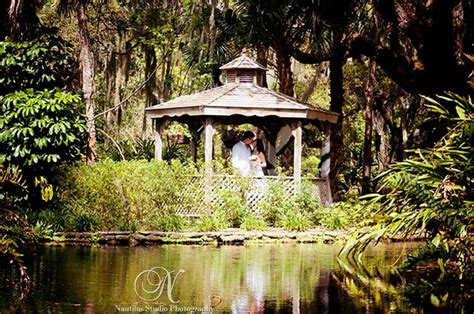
(283, 278)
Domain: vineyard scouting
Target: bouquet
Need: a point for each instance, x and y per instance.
(253, 158)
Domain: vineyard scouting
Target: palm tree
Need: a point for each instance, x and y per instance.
(330, 26)
(280, 25)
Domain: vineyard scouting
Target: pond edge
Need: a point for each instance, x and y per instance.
(225, 237)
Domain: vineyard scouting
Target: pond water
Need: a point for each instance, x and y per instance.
(266, 278)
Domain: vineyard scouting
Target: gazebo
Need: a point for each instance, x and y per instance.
(244, 100)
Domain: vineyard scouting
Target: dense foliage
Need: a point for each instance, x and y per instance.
(13, 228)
(45, 62)
(430, 193)
(142, 195)
(40, 129)
(41, 126)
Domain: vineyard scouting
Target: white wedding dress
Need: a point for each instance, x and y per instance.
(258, 171)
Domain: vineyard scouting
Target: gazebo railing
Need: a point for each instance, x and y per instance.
(199, 193)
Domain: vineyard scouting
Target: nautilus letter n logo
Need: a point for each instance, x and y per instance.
(149, 284)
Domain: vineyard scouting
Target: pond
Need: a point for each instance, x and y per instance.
(256, 278)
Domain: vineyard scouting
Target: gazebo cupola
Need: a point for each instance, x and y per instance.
(244, 70)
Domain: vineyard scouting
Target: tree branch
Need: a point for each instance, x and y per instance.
(309, 58)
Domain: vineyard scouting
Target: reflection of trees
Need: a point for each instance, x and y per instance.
(372, 285)
(242, 279)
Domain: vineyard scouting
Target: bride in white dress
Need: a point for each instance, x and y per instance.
(258, 159)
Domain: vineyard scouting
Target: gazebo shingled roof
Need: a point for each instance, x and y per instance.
(244, 99)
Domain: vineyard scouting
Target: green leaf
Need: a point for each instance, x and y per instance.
(461, 112)
(436, 240)
(434, 300)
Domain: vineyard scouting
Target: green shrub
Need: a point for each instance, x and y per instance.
(167, 222)
(41, 125)
(295, 220)
(271, 206)
(252, 221)
(231, 205)
(129, 194)
(86, 221)
(57, 219)
(212, 222)
(145, 195)
(127, 225)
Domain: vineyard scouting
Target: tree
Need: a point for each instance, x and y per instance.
(87, 64)
(279, 25)
(423, 45)
(330, 26)
(367, 156)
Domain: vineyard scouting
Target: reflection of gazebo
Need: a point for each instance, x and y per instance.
(243, 99)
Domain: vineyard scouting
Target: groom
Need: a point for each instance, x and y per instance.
(241, 153)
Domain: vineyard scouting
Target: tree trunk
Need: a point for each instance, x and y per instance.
(20, 19)
(310, 88)
(262, 52)
(151, 90)
(86, 59)
(167, 79)
(387, 134)
(212, 31)
(110, 69)
(285, 74)
(121, 78)
(337, 100)
(369, 102)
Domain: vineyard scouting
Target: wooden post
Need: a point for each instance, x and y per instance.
(297, 133)
(208, 145)
(158, 131)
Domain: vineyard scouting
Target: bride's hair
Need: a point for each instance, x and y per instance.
(260, 146)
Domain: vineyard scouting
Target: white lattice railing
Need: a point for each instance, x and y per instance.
(200, 193)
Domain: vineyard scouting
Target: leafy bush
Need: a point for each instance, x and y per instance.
(232, 206)
(295, 220)
(142, 195)
(86, 221)
(212, 222)
(346, 214)
(45, 62)
(40, 129)
(166, 219)
(40, 123)
(292, 212)
(271, 207)
(133, 191)
(252, 221)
